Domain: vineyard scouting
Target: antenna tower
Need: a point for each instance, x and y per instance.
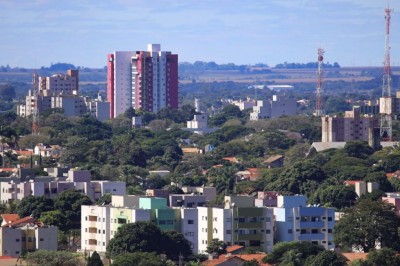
(319, 108)
(35, 111)
(385, 101)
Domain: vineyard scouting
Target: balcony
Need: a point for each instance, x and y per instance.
(250, 237)
(92, 230)
(318, 224)
(92, 218)
(311, 237)
(249, 225)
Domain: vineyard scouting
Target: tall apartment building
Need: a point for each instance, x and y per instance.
(146, 80)
(61, 91)
(295, 221)
(353, 126)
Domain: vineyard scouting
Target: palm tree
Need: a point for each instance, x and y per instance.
(291, 258)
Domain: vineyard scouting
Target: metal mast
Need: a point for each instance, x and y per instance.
(319, 108)
(35, 109)
(385, 102)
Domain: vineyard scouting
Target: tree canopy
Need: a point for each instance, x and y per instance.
(367, 225)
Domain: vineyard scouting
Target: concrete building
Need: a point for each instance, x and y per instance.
(295, 221)
(213, 223)
(353, 126)
(393, 198)
(98, 108)
(266, 199)
(210, 193)
(21, 235)
(146, 80)
(80, 180)
(276, 107)
(187, 201)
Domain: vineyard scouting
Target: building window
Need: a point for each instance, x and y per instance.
(228, 232)
(329, 230)
(290, 231)
(330, 219)
(42, 239)
(17, 240)
(190, 221)
(268, 231)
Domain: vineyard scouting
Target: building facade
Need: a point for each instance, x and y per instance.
(353, 126)
(146, 80)
(276, 107)
(295, 221)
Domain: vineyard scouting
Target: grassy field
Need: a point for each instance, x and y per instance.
(279, 76)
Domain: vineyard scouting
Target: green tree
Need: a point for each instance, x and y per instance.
(134, 237)
(69, 202)
(291, 258)
(55, 217)
(94, 260)
(327, 258)
(139, 259)
(35, 206)
(306, 249)
(176, 245)
(252, 262)
(358, 149)
(368, 224)
(338, 196)
(382, 257)
(216, 246)
(54, 258)
(105, 199)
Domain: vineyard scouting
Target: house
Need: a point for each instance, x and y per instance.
(46, 150)
(18, 235)
(235, 260)
(191, 150)
(274, 161)
(23, 154)
(231, 159)
(249, 174)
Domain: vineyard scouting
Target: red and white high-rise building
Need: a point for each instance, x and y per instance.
(146, 80)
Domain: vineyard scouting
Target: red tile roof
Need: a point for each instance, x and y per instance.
(242, 257)
(23, 221)
(231, 159)
(231, 249)
(9, 218)
(24, 153)
(351, 182)
(355, 256)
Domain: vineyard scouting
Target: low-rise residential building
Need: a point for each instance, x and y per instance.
(295, 221)
(21, 235)
(46, 150)
(275, 107)
(209, 192)
(187, 201)
(77, 179)
(393, 198)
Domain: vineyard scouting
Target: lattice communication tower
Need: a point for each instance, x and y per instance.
(319, 107)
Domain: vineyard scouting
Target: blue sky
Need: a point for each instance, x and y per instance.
(36, 33)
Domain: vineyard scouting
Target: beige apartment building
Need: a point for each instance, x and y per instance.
(353, 126)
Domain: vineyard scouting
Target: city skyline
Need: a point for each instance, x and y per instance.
(352, 32)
